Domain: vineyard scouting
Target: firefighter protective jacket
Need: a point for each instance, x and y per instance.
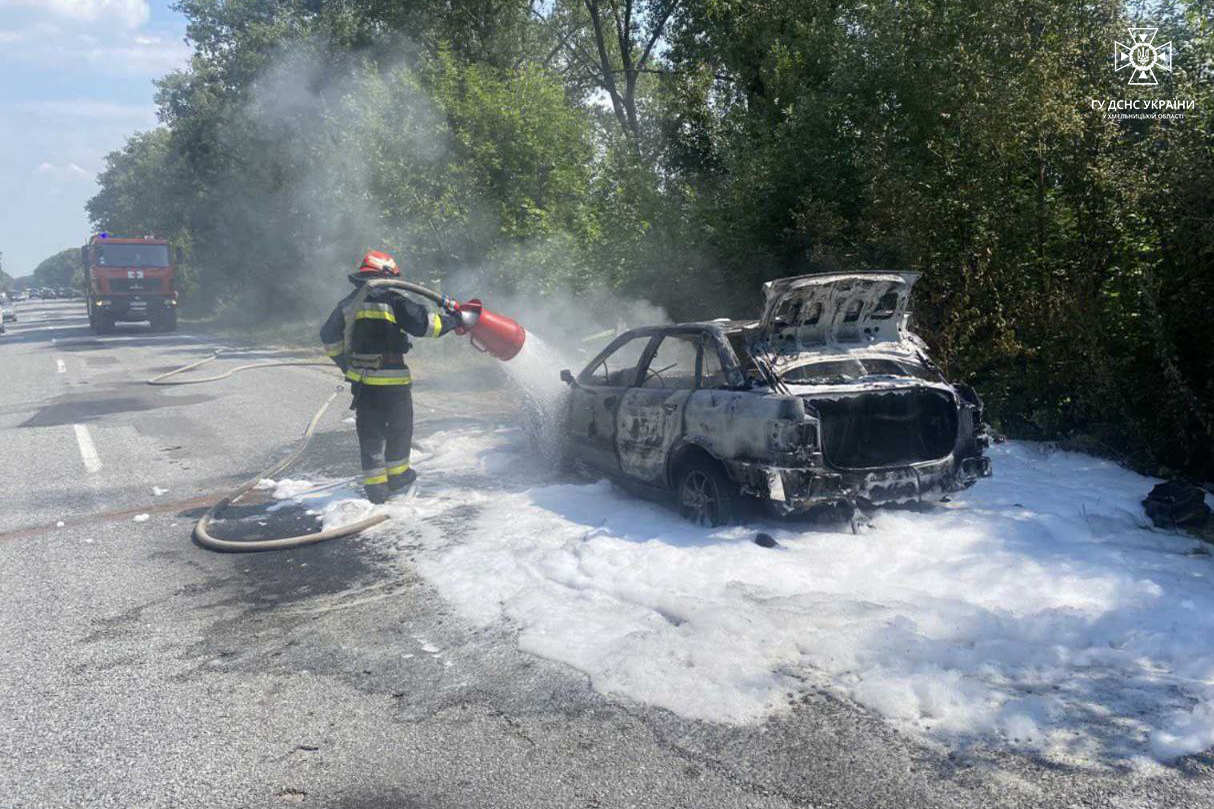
(379, 339)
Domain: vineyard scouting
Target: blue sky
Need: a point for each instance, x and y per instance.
(75, 81)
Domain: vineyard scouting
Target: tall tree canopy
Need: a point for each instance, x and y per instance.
(686, 152)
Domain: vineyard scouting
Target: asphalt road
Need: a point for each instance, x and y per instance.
(140, 671)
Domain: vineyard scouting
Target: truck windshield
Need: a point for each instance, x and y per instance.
(132, 255)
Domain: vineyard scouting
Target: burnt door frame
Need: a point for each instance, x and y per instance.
(650, 420)
(593, 410)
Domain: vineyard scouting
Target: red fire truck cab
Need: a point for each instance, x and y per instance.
(130, 280)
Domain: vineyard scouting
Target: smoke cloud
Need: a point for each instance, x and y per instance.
(336, 155)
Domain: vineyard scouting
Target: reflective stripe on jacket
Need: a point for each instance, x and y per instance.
(380, 333)
(380, 376)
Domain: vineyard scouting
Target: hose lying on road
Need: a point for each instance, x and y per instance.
(159, 380)
(204, 538)
(202, 534)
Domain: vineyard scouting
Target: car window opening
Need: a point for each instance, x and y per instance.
(673, 365)
(886, 306)
(618, 368)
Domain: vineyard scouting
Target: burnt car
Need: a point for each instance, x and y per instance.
(827, 400)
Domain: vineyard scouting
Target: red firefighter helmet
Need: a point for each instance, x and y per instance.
(377, 262)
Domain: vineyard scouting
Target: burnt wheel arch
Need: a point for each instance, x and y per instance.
(704, 493)
(684, 453)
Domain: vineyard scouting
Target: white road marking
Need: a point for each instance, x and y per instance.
(88, 452)
(62, 367)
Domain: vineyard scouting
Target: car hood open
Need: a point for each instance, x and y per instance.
(847, 309)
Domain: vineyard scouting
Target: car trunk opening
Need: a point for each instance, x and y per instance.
(807, 312)
(886, 428)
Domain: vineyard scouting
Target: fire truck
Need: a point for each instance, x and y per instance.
(130, 280)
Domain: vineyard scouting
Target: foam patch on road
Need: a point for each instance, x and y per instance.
(336, 502)
(1037, 610)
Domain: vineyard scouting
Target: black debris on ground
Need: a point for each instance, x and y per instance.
(765, 540)
(1177, 504)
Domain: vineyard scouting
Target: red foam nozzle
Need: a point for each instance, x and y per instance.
(499, 335)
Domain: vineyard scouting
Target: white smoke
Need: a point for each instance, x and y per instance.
(349, 155)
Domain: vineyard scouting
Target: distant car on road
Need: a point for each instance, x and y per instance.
(8, 313)
(827, 400)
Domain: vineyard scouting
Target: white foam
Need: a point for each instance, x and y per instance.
(1036, 610)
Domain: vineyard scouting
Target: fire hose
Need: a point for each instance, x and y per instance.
(498, 335)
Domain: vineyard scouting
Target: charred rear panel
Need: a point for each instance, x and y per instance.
(887, 428)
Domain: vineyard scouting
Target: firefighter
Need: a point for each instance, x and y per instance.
(374, 364)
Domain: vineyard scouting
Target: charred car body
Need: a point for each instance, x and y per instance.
(828, 399)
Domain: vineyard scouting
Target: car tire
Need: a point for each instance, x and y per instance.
(705, 495)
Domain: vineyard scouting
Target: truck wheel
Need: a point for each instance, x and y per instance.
(103, 323)
(705, 494)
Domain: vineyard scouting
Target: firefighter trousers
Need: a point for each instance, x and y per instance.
(383, 417)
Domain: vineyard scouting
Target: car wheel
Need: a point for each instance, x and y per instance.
(705, 495)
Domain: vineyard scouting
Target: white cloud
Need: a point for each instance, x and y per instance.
(150, 55)
(107, 36)
(120, 54)
(75, 82)
(126, 13)
(66, 172)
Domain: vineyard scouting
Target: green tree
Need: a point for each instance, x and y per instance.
(687, 152)
(138, 190)
(58, 270)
